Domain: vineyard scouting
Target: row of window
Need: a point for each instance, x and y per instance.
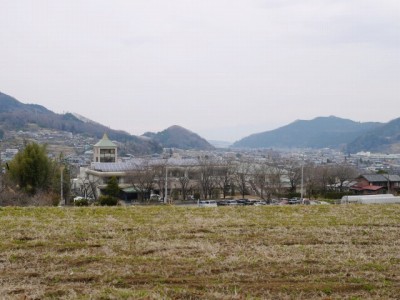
(107, 151)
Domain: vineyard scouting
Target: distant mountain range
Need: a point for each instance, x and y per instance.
(321, 132)
(328, 132)
(15, 115)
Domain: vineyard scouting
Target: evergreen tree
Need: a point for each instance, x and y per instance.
(112, 188)
(31, 169)
(111, 193)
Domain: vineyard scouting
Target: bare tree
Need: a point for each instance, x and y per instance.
(241, 177)
(224, 176)
(89, 187)
(275, 180)
(1, 181)
(184, 186)
(143, 178)
(159, 176)
(184, 182)
(259, 180)
(310, 180)
(293, 169)
(323, 178)
(343, 173)
(207, 172)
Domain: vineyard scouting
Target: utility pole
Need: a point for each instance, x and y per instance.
(62, 181)
(166, 185)
(388, 183)
(302, 176)
(1, 175)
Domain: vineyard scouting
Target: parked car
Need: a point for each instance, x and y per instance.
(155, 197)
(273, 202)
(207, 203)
(242, 201)
(246, 201)
(231, 202)
(294, 201)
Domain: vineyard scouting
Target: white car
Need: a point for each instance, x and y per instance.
(155, 197)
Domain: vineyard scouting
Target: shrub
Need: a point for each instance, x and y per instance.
(293, 195)
(81, 202)
(11, 197)
(175, 195)
(335, 195)
(106, 200)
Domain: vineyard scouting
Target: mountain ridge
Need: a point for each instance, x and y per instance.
(177, 136)
(385, 138)
(320, 132)
(15, 115)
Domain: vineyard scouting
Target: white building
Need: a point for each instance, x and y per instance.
(105, 151)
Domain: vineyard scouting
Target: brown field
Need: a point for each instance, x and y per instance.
(293, 252)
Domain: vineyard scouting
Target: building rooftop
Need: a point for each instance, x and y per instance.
(381, 177)
(105, 142)
(139, 163)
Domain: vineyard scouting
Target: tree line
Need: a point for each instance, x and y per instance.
(222, 178)
(32, 178)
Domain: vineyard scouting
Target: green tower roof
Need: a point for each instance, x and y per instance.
(105, 142)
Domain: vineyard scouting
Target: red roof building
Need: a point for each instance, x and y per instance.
(371, 184)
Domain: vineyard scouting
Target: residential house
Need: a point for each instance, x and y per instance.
(372, 184)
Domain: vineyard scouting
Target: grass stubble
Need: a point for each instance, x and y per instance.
(294, 252)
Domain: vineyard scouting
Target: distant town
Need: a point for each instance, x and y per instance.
(78, 151)
(257, 174)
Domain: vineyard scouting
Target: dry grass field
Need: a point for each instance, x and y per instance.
(272, 252)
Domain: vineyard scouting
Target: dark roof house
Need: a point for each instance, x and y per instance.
(377, 184)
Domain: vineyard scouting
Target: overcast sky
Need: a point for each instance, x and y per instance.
(221, 68)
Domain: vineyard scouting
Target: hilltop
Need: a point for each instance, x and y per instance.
(321, 132)
(17, 116)
(179, 137)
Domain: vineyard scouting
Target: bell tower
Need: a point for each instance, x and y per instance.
(105, 151)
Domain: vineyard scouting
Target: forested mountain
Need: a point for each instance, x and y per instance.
(385, 138)
(179, 137)
(321, 132)
(15, 115)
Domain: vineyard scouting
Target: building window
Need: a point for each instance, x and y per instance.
(107, 155)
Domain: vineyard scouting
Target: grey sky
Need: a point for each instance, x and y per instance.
(223, 69)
